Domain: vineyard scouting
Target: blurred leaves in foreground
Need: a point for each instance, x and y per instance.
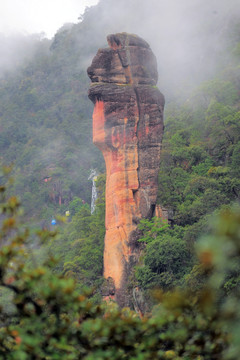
(50, 319)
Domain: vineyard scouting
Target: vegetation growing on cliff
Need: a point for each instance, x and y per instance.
(199, 175)
(79, 245)
(50, 319)
(46, 115)
(45, 131)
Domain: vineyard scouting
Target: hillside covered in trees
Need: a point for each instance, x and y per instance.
(45, 124)
(46, 133)
(46, 115)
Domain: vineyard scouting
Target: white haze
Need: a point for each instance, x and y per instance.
(24, 23)
(187, 36)
(39, 16)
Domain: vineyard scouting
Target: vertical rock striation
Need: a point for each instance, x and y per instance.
(128, 129)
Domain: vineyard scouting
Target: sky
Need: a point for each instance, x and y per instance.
(39, 16)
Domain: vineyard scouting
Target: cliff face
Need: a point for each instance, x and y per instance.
(128, 129)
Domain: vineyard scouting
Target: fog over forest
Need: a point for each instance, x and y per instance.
(190, 252)
(187, 37)
(44, 82)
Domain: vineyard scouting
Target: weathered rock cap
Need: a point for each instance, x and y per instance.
(129, 60)
(121, 40)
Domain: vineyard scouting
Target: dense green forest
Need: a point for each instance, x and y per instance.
(43, 315)
(199, 175)
(45, 133)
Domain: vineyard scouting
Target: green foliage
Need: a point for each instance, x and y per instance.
(76, 205)
(199, 170)
(52, 320)
(151, 229)
(79, 244)
(166, 259)
(45, 128)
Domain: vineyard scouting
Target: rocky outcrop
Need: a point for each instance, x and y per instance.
(128, 129)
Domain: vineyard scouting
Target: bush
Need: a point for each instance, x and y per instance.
(52, 320)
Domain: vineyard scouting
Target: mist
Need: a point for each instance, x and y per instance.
(17, 49)
(187, 36)
(191, 41)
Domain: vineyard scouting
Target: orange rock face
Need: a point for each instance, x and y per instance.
(127, 128)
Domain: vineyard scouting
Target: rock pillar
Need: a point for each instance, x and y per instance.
(128, 129)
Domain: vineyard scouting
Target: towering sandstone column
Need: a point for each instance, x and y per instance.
(128, 129)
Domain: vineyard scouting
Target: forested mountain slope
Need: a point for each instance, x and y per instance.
(45, 116)
(46, 132)
(199, 175)
(46, 127)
